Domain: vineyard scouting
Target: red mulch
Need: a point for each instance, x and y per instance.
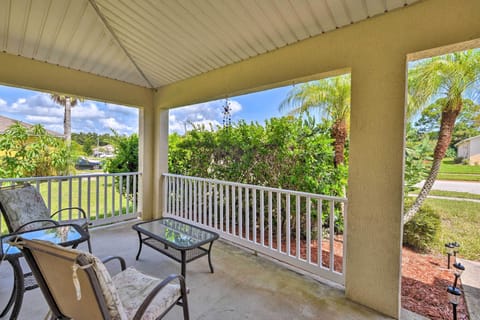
(425, 279)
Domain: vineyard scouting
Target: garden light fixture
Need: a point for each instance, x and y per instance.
(459, 268)
(456, 247)
(454, 298)
(450, 248)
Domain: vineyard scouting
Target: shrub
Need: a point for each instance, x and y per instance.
(458, 160)
(420, 232)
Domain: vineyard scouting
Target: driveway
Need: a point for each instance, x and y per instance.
(457, 186)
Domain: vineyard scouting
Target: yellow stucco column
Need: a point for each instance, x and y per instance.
(160, 159)
(375, 182)
(145, 162)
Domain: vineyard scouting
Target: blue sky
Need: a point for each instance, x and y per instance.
(91, 116)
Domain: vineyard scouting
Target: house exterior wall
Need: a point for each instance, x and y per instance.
(474, 156)
(469, 149)
(375, 51)
(474, 160)
(463, 150)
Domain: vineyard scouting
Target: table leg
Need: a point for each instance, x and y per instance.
(184, 263)
(11, 300)
(210, 257)
(18, 290)
(139, 245)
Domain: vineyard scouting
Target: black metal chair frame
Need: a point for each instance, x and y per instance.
(86, 266)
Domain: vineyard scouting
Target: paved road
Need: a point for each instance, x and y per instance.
(458, 186)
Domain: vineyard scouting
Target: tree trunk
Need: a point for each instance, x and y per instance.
(67, 122)
(339, 134)
(447, 124)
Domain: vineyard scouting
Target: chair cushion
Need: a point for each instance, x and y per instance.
(110, 293)
(22, 205)
(134, 286)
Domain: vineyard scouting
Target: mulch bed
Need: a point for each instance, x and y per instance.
(425, 279)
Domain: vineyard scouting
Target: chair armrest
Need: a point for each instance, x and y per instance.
(120, 259)
(143, 307)
(84, 215)
(19, 229)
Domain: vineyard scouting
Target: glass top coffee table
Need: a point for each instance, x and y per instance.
(176, 239)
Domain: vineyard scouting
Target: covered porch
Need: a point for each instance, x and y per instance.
(111, 52)
(244, 285)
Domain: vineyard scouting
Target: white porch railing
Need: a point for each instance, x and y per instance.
(98, 194)
(293, 227)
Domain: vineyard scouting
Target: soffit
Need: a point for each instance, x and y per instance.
(152, 43)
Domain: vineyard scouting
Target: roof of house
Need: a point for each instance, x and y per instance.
(466, 140)
(5, 123)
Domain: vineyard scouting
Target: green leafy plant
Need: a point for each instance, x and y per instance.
(125, 160)
(421, 231)
(288, 153)
(416, 169)
(32, 152)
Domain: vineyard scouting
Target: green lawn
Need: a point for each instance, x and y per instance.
(458, 172)
(458, 177)
(448, 166)
(450, 194)
(460, 223)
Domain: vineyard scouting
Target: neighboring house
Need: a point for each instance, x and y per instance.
(104, 151)
(469, 149)
(5, 123)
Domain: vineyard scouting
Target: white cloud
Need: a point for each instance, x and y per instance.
(112, 123)
(87, 116)
(44, 119)
(88, 110)
(208, 114)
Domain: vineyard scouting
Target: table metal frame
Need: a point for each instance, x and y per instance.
(181, 254)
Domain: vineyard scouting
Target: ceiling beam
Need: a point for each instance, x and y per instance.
(34, 75)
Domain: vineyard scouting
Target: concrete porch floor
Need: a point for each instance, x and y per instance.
(244, 286)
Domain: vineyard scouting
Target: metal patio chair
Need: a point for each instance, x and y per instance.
(23, 209)
(77, 285)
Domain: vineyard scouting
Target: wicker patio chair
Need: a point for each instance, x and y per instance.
(77, 286)
(23, 209)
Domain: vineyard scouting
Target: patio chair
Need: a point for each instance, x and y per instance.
(23, 209)
(77, 285)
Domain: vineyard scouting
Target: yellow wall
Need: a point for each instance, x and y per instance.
(376, 53)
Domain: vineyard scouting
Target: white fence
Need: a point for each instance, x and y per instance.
(293, 227)
(100, 195)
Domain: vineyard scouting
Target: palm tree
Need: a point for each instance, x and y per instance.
(445, 80)
(330, 98)
(68, 103)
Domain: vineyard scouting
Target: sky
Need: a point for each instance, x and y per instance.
(92, 116)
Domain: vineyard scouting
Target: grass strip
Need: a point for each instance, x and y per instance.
(460, 223)
(451, 194)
